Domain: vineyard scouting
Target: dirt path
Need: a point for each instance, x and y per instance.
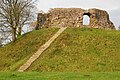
(40, 50)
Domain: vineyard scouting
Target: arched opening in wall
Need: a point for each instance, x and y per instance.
(86, 19)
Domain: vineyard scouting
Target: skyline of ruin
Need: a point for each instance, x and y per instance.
(111, 6)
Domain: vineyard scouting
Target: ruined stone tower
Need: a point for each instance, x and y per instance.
(73, 17)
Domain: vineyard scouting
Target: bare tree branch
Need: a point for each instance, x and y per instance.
(15, 14)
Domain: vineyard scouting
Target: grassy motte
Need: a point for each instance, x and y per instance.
(60, 76)
(81, 50)
(15, 54)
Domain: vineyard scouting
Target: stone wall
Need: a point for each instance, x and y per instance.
(73, 17)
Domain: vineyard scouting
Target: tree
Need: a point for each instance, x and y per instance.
(0, 43)
(14, 14)
(5, 34)
(119, 27)
(33, 24)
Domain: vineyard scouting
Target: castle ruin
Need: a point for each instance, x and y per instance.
(73, 17)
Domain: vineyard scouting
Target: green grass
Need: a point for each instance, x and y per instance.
(77, 54)
(81, 50)
(15, 54)
(60, 76)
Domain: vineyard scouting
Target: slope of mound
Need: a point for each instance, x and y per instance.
(15, 54)
(81, 50)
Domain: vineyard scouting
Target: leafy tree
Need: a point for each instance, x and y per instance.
(14, 14)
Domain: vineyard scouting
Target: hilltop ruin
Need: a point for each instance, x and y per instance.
(73, 17)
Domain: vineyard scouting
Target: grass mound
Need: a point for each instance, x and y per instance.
(82, 50)
(15, 54)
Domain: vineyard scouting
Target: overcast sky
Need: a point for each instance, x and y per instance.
(112, 6)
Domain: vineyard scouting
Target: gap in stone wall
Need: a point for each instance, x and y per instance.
(86, 20)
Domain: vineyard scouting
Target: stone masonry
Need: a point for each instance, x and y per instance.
(73, 17)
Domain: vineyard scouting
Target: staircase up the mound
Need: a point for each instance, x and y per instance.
(41, 49)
